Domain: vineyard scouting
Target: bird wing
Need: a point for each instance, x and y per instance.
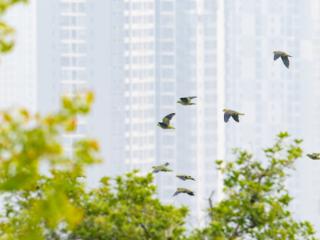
(226, 117)
(165, 169)
(190, 193)
(155, 169)
(176, 193)
(192, 97)
(184, 99)
(285, 60)
(310, 156)
(276, 56)
(167, 118)
(235, 117)
(180, 177)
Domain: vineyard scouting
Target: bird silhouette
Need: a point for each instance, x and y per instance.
(165, 124)
(185, 177)
(186, 101)
(161, 168)
(183, 190)
(231, 113)
(314, 156)
(284, 56)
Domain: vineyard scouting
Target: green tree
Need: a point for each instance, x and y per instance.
(256, 199)
(125, 209)
(55, 204)
(36, 202)
(128, 209)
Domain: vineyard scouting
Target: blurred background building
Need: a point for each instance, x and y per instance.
(140, 56)
(18, 69)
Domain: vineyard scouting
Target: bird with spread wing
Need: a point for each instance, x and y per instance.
(231, 113)
(186, 101)
(183, 190)
(185, 177)
(161, 168)
(314, 156)
(284, 57)
(165, 124)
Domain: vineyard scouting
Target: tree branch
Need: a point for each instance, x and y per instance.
(210, 199)
(146, 232)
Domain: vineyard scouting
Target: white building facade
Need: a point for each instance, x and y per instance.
(18, 69)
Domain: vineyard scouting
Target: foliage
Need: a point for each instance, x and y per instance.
(6, 31)
(35, 201)
(128, 210)
(256, 199)
(57, 205)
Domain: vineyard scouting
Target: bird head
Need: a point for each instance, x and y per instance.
(166, 164)
(225, 110)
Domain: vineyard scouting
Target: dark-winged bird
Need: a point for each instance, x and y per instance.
(314, 156)
(231, 113)
(183, 190)
(284, 56)
(165, 124)
(186, 101)
(185, 177)
(161, 168)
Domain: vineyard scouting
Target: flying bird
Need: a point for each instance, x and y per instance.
(161, 168)
(186, 101)
(185, 177)
(231, 113)
(183, 190)
(165, 124)
(314, 156)
(284, 56)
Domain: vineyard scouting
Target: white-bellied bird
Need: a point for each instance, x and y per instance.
(231, 113)
(284, 56)
(183, 190)
(185, 177)
(165, 124)
(161, 168)
(186, 101)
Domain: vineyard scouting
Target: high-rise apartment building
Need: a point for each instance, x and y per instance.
(140, 56)
(160, 51)
(130, 91)
(63, 59)
(273, 97)
(18, 69)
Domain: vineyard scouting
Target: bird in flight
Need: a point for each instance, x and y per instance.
(165, 124)
(185, 177)
(183, 190)
(186, 101)
(161, 168)
(284, 56)
(314, 156)
(231, 113)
